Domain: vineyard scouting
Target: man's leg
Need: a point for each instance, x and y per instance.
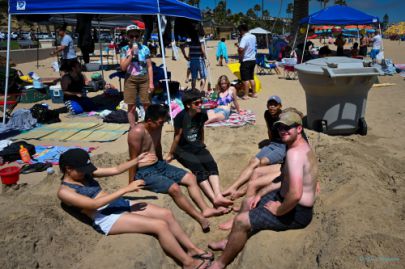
(236, 241)
(185, 204)
(253, 87)
(194, 191)
(246, 86)
(243, 177)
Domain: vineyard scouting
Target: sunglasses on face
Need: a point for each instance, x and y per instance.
(197, 102)
(133, 36)
(283, 127)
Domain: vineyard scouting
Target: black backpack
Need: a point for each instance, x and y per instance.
(11, 153)
(44, 115)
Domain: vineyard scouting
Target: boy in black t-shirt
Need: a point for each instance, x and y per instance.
(189, 149)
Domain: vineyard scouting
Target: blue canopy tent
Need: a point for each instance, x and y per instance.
(125, 7)
(337, 15)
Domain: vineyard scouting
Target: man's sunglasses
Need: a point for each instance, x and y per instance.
(283, 127)
(197, 102)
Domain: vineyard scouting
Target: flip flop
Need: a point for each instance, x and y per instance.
(36, 167)
(201, 265)
(204, 256)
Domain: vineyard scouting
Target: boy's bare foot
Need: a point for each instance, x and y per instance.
(236, 208)
(216, 265)
(211, 212)
(239, 193)
(220, 245)
(205, 225)
(228, 191)
(227, 225)
(219, 200)
(224, 210)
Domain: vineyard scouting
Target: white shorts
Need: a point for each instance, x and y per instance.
(105, 222)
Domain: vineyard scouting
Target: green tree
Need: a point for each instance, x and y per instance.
(341, 2)
(290, 9)
(257, 9)
(323, 3)
(220, 12)
(251, 13)
(300, 11)
(266, 13)
(386, 21)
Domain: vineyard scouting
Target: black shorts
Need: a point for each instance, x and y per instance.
(200, 163)
(262, 219)
(247, 70)
(65, 64)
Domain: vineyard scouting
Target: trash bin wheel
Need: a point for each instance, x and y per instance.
(321, 126)
(362, 127)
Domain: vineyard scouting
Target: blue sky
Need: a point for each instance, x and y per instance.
(394, 8)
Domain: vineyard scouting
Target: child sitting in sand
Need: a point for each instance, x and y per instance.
(111, 214)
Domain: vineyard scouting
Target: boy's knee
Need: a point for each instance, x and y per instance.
(189, 179)
(254, 162)
(174, 190)
(167, 214)
(264, 161)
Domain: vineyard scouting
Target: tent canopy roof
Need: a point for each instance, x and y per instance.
(339, 15)
(130, 7)
(259, 30)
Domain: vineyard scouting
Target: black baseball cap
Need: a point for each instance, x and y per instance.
(78, 159)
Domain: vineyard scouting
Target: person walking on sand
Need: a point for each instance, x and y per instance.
(136, 62)
(189, 149)
(161, 177)
(340, 43)
(247, 59)
(111, 214)
(287, 204)
(222, 52)
(67, 48)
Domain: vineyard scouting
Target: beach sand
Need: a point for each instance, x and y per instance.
(358, 220)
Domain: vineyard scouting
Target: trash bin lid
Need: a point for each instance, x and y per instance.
(317, 66)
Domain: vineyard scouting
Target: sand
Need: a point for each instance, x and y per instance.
(359, 216)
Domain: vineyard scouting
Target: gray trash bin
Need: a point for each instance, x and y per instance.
(336, 90)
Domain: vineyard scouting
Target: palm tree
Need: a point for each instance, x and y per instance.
(266, 13)
(341, 2)
(323, 3)
(251, 13)
(300, 11)
(257, 8)
(290, 8)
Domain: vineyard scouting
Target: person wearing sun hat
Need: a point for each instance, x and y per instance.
(136, 62)
(112, 214)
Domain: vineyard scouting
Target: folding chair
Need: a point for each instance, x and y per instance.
(263, 66)
(12, 101)
(289, 68)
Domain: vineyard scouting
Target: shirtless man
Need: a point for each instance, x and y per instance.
(158, 175)
(279, 206)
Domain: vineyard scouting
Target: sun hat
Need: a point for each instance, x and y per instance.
(78, 159)
(289, 118)
(274, 98)
(137, 26)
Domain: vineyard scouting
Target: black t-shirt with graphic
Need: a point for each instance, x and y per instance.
(192, 128)
(275, 136)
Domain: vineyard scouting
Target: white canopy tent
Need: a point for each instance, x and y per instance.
(261, 31)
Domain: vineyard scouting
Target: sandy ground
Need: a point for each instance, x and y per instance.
(359, 217)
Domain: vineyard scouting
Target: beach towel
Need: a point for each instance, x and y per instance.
(222, 51)
(83, 131)
(236, 120)
(50, 154)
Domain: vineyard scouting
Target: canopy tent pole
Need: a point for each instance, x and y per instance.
(164, 68)
(382, 43)
(101, 48)
(305, 44)
(358, 34)
(7, 68)
(295, 37)
(37, 47)
(207, 65)
(267, 41)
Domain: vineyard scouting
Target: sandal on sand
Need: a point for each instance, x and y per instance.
(204, 256)
(36, 167)
(204, 264)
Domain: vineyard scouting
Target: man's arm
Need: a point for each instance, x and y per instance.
(176, 139)
(135, 138)
(150, 74)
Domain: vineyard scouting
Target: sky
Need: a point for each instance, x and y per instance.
(394, 8)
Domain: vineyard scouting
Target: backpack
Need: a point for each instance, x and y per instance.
(44, 115)
(11, 153)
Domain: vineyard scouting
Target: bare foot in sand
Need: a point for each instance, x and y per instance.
(227, 225)
(205, 225)
(219, 200)
(220, 245)
(228, 191)
(239, 193)
(236, 208)
(216, 265)
(224, 210)
(211, 212)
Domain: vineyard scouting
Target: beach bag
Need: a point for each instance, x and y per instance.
(44, 115)
(97, 83)
(11, 153)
